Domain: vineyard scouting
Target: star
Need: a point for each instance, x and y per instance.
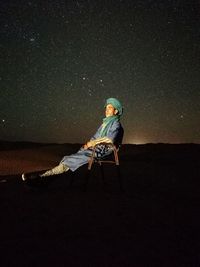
(55, 67)
(90, 92)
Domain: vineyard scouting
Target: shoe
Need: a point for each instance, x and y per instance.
(29, 176)
(24, 177)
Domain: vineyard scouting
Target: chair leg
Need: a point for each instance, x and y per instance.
(87, 177)
(120, 178)
(102, 174)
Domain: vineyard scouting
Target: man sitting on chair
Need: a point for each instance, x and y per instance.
(110, 131)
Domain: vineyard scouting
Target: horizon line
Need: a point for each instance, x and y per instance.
(77, 143)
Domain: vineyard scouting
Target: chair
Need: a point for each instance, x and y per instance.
(112, 158)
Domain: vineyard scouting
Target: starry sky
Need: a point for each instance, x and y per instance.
(60, 61)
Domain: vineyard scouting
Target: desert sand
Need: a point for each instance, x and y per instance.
(154, 222)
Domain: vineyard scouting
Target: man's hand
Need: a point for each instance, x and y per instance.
(88, 145)
(94, 142)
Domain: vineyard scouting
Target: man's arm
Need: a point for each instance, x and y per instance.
(110, 138)
(114, 131)
(99, 140)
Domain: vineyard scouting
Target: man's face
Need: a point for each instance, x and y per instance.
(110, 110)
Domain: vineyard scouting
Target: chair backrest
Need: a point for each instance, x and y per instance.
(119, 137)
(115, 147)
(105, 159)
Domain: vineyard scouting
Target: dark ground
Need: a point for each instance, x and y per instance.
(155, 222)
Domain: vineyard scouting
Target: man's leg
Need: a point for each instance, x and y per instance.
(77, 160)
(61, 168)
(71, 162)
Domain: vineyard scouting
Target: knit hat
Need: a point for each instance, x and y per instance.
(116, 104)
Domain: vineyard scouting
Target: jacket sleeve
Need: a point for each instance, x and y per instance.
(96, 135)
(111, 135)
(100, 140)
(114, 131)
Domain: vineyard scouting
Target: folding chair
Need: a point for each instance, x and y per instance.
(112, 158)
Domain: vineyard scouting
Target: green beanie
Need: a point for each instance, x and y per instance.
(116, 104)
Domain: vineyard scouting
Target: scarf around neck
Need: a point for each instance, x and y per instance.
(106, 123)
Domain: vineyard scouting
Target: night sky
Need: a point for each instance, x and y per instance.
(60, 60)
